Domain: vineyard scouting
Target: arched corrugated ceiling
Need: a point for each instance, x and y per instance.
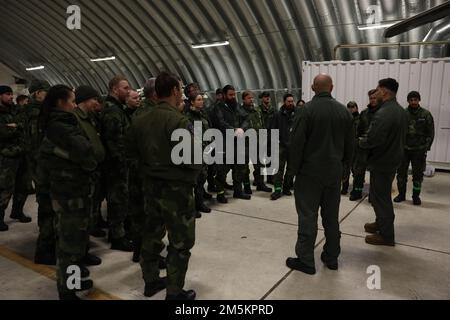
(268, 38)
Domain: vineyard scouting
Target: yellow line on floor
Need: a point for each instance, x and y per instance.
(46, 271)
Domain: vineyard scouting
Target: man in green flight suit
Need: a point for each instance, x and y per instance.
(385, 142)
(419, 139)
(267, 113)
(168, 190)
(323, 139)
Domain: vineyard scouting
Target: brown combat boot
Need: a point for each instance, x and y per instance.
(371, 228)
(378, 240)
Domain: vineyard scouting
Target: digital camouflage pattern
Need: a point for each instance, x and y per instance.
(114, 124)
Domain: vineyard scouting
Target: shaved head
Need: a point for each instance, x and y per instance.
(322, 83)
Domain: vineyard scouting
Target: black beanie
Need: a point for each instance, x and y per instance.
(84, 93)
(5, 89)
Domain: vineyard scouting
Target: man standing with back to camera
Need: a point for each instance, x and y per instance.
(168, 190)
(323, 138)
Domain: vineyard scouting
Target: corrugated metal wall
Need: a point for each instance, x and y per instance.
(431, 77)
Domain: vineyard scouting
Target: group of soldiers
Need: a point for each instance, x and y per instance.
(74, 149)
(419, 139)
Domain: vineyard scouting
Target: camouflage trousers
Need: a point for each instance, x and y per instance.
(136, 206)
(418, 162)
(169, 205)
(13, 182)
(46, 241)
(72, 219)
(116, 179)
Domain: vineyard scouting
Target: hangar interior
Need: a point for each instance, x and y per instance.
(276, 46)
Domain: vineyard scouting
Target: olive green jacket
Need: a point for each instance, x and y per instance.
(87, 123)
(386, 138)
(12, 140)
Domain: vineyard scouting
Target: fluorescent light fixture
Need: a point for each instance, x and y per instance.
(103, 59)
(35, 68)
(209, 45)
(382, 25)
(443, 28)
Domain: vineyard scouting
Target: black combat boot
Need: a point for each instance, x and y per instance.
(416, 198)
(247, 188)
(262, 187)
(3, 225)
(276, 195)
(238, 194)
(47, 258)
(221, 198)
(203, 208)
(270, 180)
(183, 295)
(17, 214)
(154, 287)
(121, 244)
(355, 195)
(287, 191)
(400, 198)
(91, 260)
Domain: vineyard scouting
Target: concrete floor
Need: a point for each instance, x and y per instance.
(241, 250)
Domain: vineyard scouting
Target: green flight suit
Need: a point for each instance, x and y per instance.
(385, 142)
(323, 140)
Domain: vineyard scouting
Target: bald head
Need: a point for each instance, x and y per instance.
(322, 83)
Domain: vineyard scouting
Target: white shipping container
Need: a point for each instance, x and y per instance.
(431, 77)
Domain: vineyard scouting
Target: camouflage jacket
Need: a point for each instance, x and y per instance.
(420, 134)
(12, 140)
(67, 157)
(88, 125)
(267, 115)
(114, 124)
(254, 116)
(149, 140)
(34, 133)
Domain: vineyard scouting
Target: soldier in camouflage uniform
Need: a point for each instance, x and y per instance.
(168, 190)
(45, 246)
(196, 114)
(87, 99)
(267, 113)
(419, 139)
(348, 167)
(361, 155)
(13, 173)
(68, 160)
(256, 123)
(114, 123)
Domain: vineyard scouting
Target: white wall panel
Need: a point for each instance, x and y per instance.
(431, 77)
